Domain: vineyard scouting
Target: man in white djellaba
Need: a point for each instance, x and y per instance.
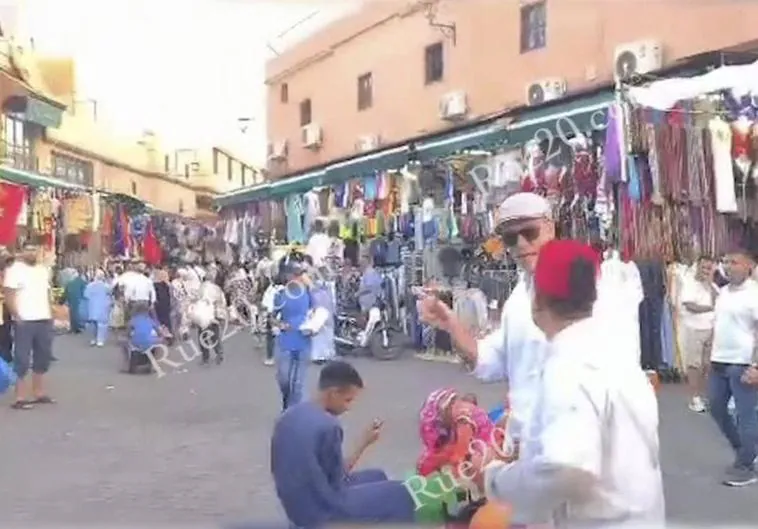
(590, 457)
(515, 352)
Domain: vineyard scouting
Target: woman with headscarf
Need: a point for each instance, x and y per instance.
(99, 300)
(163, 299)
(180, 294)
(73, 294)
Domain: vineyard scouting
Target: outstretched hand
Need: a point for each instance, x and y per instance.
(434, 312)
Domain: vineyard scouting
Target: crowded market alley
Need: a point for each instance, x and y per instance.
(533, 288)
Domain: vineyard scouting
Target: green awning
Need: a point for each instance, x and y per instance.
(483, 137)
(242, 195)
(298, 184)
(279, 188)
(562, 121)
(28, 178)
(366, 164)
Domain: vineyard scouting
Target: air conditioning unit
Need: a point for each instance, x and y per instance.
(545, 90)
(277, 150)
(311, 136)
(454, 106)
(637, 58)
(366, 143)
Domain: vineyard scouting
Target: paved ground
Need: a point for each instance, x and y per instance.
(192, 447)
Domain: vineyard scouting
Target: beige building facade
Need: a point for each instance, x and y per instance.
(392, 70)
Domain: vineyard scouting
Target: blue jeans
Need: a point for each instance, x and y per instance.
(724, 382)
(99, 331)
(372, 498)
(291, 369)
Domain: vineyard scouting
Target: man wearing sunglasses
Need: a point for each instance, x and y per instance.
(515, 352)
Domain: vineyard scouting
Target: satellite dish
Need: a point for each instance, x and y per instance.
(626, 65)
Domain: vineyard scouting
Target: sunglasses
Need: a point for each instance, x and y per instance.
(510, 237)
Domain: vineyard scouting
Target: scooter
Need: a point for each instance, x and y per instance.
(377, 339)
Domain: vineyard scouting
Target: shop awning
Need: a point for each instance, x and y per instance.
(242, 195)
(297, 184)
(276, 189)
(561, 121)
(482, 137)
(382, 160)
(28, 178)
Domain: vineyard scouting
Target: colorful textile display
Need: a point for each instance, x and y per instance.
(12, 198)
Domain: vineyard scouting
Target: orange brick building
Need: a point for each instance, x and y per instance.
(398, 70)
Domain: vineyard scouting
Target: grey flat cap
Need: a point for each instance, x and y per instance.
(524, 206)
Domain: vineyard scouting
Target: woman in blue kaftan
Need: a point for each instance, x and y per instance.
(99, 300)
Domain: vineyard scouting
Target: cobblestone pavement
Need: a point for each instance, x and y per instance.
(192, 447)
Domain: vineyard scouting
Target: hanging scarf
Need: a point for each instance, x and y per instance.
(152, 253)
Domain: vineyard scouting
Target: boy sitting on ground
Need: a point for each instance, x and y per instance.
(315, 483)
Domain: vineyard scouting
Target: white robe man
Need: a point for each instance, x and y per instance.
(515, 352)
(590, 457)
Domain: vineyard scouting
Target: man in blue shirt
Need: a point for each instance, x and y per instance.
(292, 305)
(315, 483)
(144, 333)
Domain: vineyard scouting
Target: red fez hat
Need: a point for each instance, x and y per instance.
(552, 276)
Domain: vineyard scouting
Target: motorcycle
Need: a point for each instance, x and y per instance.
(378, 339)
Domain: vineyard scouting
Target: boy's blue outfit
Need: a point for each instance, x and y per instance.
(292, 304)
(143, 333)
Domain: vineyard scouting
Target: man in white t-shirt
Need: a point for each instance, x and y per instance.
(698, 297)
(733, 361)
(318, 244)
(27, 293)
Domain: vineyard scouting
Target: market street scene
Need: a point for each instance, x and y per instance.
(443, 263)
(192, 448)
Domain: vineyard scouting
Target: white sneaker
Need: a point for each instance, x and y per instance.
(92, 343)
(100, 344)
(268, 362)
(697, 405)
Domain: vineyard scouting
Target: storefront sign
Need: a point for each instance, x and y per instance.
(34, 110)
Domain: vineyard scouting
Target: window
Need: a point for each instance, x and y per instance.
(166, 163)
(434, 63)
(533, 26)
(242, 178)
(134, 188)
(305, 112)
(365, 91)
(186, 170)
(17, 142)
(229, 173)
(284, 93)
(215, 161)
(181, 206)
(72, 169)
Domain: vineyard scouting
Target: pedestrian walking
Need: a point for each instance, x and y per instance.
(27, 292)
(73, 295)
(292, 305)
(213, 301)
(698, 298)
(733, 354)
(99, 300)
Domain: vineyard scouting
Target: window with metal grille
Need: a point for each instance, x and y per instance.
(533, 26)
(365, 91)
(434, 63)
(305, 112)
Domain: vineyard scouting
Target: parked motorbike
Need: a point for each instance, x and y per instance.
(378, 338)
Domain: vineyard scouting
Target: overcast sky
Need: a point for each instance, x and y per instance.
(185, 68)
